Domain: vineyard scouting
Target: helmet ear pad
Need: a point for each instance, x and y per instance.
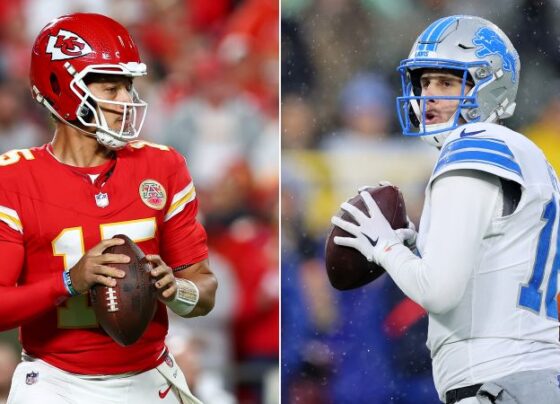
(55, 84)
(85, 112)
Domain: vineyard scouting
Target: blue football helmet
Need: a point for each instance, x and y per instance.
(479, 53)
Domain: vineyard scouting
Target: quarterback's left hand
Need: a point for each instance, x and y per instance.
(408, 235)
(166, 284)
(373, 234)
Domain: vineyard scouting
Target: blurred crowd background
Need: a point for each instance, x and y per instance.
(212, 89)
(339, 131)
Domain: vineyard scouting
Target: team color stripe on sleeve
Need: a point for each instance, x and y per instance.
(180, 200)
(492, 152)
(11, 218)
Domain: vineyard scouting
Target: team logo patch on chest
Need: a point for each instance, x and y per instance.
(153, 194)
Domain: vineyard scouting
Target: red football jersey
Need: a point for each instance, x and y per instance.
(54, 213)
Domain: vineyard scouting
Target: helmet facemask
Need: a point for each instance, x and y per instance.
(90, 113)
(412, 107)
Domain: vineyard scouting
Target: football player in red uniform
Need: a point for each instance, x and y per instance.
(60, 205)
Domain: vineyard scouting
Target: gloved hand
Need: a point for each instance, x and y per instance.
(408, 235)
(373, 235)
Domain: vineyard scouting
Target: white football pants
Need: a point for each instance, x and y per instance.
(38, 382)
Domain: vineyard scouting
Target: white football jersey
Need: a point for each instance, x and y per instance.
(507, 320)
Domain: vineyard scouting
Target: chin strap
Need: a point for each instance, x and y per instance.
(109, 141)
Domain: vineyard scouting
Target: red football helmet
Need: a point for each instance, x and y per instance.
(69, 48)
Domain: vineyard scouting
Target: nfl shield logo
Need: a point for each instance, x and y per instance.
(102, 200)
(31, 378)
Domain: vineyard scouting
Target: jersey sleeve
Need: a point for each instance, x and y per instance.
(11, 229)
(462, 206)
(16, 306)
(10, 217)
(11, 241)
(183, 237)
(490, 155)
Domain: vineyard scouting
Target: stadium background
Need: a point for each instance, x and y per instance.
(212, 89)
(339, 131)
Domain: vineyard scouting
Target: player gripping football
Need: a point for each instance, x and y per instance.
(60, 206)
(489, 234)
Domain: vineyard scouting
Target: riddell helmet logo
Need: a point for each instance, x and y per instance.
(67, 45)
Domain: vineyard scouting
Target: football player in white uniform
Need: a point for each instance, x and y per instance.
(489, 234)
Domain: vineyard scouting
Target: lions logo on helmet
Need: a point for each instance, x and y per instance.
(480, 54)
(489, 43)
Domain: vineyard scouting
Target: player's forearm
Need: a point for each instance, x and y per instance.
(462, 208)
(437, 291)
(22, 303)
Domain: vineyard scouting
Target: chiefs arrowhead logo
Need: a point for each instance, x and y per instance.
(67, 45)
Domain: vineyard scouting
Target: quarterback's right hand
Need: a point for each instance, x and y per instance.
(95, 267)
(408, 234)
(372, 235)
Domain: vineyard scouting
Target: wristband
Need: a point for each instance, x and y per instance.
(68, 284)
(185, 299)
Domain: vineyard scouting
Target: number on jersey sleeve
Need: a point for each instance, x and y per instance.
(13, 156)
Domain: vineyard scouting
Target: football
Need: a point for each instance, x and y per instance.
(346, 267)
(125, 310)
